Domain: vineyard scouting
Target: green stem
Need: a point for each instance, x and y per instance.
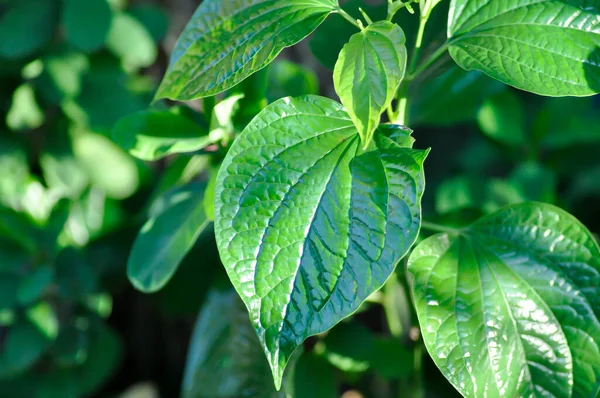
(390, 299)
(349, 18)
(395, 6)
(438, 228)
(429, 61)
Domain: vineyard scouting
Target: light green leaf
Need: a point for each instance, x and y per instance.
(368, 72)
(21, 19)
(153, 134)
(176, 221)
(62, 76)
(510, 305)
(24, 113)
(548, 47)
(309, 224)
(221, 121)
(107, 165)
(86, 23)
(129, 40)
(502, 118)
(227, 41)
(224, 358)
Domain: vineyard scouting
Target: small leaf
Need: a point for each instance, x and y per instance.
(129, 40)
(86, 23)
(153, 134)
(547, 47)
(213, 54)
(21, 19)
(368, 72)
(308, 224)
(176, 221)
(224, 357)
(502, 118)
(510, 305)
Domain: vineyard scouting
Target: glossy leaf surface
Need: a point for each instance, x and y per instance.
(307, 223)
(548, 47)
(176, 220)
(368, 72)
(227, 41)
(510, 305)
(153, 134)
(224, 358)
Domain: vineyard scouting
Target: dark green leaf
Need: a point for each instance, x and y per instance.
(86, 23)
(153, 18)
(502, 118)
(74, 275)
(391, 360)
(32, 286)
(348, 347)
(451, 98)
(368, 73)
(224, 357)
(289, 79)
(509, 306)
(213, 53)
(153, 134)
(303, 213)
(9, 288)
(314, 378)
(20, 21)
(23, 345)
(537, 182)
(176, 221)
(547, 47)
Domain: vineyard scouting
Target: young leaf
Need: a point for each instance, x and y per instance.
(224, 357)
(227, 41)
(547, 47)
(368, 72)
(153, 134)
(176, 221)
(510, 306)
(309, 224)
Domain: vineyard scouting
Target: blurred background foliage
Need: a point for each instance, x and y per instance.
(98, 184)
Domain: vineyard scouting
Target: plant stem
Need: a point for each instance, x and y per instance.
(348, 17)
(395, 6)
(438, 228)
(391, 309)
(429, 61)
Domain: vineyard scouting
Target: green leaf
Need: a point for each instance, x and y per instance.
(107, 165)
(175, 222)
(343, 350)
(33, 285)
(129, 40)
(308, 224)
(510, 305)
(289, 79)
(224, 357)
(23, 345)
(153, 18)
(368, 72)
(153, 134)
(390, 359)
(213, 54)
(24, 113)
(22, 18)
(453, 97)
(314, 378)
(502, 118)
(86, 23)
(547, 47)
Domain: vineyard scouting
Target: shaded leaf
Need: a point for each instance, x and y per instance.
(86, 23)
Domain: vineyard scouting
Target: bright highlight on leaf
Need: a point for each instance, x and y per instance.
(549, 47)
(510, 306)
(308, 223)
(368, 72)
(212, 54)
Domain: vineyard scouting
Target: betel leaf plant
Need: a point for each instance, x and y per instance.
(316, 202)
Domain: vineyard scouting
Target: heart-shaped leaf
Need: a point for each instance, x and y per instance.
(549, 47)
(308, 223)
(509, 306)
(227, 41)
(368, 72)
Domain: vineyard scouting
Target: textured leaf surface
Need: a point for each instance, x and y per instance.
(176, 220)
(549, 47)
(368, 72)
(224, 358)
(510, 306)
(153, 134)
(227, 41)
(307, 223)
